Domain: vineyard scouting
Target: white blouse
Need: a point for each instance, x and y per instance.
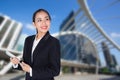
(35, 43)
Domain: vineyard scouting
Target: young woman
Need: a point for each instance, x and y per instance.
(41, 55)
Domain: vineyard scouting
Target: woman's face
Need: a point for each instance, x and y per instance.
(42, 22)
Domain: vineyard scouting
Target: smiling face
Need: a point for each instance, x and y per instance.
(42, 22)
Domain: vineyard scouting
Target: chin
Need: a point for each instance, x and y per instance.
(44, 31)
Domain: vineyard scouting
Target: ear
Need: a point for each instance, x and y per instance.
(34, 24)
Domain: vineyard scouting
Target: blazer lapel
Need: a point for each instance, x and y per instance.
(40, 44)
(31, 44)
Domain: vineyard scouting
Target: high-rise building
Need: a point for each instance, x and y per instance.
(70, 20)
(108, 57)
(114, 60)
(10, 31)
(75, 46)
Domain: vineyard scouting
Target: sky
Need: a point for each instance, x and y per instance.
(22, 11)
(106, 13)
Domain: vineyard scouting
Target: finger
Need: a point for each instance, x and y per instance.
(21, 65)
(10, 59)
(24, 64)
(15, 61)
(15, 58)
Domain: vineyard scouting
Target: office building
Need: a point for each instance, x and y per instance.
(10, 31)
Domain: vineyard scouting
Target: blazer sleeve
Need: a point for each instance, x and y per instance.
(24, 51)
(53, 68)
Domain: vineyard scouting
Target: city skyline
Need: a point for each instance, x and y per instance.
(22, 11)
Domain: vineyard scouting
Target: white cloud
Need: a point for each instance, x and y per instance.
(115, 35)
(30, 26)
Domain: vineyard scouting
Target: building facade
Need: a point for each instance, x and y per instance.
(10, 31)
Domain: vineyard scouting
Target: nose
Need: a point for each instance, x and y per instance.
(43, 22)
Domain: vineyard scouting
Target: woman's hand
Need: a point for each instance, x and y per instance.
(14, 60)
(25, 67)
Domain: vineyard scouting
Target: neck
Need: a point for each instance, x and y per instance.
(40, 35)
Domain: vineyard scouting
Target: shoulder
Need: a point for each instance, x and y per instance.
(30, 37)
(54, 39)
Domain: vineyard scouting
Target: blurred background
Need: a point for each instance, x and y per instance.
(88, 30)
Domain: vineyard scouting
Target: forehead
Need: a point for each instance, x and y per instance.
(41, 14)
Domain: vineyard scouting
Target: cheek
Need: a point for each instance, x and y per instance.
(48, 24)
(38, 25)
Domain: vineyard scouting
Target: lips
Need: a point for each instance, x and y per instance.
(43, 27)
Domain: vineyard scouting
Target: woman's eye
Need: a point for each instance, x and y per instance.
(39, 20)
(47, 19)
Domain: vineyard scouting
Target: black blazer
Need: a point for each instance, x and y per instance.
(46, 57)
